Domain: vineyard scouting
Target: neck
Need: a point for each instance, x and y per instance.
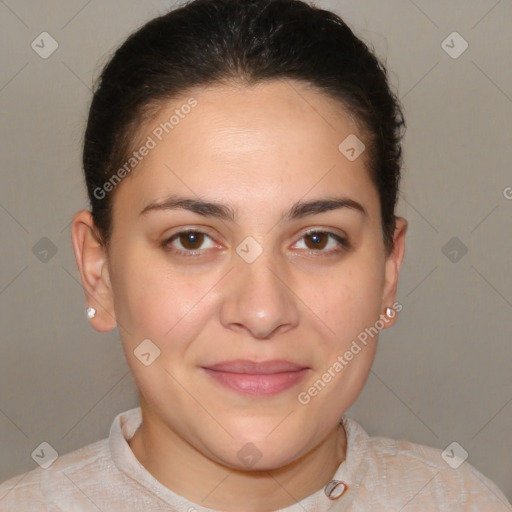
(190, 473)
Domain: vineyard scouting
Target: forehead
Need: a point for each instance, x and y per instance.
(272, 141)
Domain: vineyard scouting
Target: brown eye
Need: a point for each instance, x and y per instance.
(323, 242)
(189, 243)
(317, 240)
(191, 240)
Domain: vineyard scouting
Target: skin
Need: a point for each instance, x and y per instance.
(259, 150)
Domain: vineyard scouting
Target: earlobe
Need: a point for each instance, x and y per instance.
(392, 269)
(92, 262)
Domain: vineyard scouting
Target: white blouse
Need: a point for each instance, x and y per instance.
(382, 475)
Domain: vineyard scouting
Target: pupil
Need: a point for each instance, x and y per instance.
(316, 239)
(193, 239)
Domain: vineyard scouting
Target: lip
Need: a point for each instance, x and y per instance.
(257, 378)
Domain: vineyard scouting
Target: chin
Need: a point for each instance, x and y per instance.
(262, 454)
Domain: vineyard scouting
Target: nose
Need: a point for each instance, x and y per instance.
(259, 298)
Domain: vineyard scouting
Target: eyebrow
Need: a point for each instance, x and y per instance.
(220, 211)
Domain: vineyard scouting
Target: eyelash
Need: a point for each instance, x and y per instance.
(343, 243)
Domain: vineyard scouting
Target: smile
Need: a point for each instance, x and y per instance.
(257, 379)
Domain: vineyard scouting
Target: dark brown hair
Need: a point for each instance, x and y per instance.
(210, 42)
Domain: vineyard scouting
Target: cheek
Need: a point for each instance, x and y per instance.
(347, 301)
(153, 303)
(156, 302)
(350, 306)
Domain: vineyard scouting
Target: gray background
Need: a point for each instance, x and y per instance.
(442, 374)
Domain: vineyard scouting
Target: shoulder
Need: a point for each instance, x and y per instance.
(32, 490)
(409, 475)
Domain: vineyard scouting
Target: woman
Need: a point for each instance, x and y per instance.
(242, 161)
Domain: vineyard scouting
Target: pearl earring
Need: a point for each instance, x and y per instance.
(91, 313)
(390, 312)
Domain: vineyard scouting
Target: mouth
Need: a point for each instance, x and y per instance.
(265, 378)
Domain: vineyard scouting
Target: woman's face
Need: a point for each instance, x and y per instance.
(250, 311)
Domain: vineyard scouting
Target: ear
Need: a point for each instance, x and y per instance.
(92, 262)
(392, 270)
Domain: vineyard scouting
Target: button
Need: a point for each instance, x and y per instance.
(335, 489)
